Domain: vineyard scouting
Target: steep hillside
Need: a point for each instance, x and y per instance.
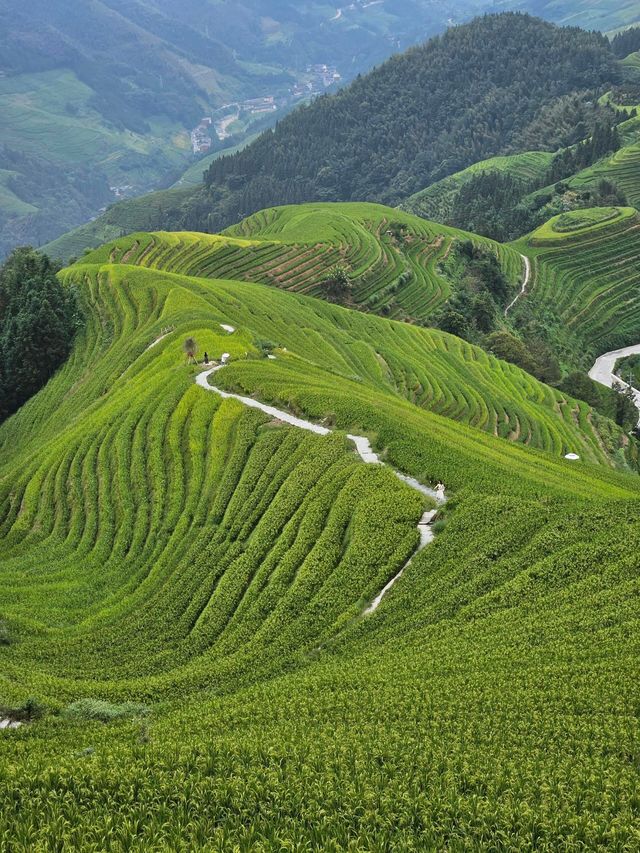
(506, 197)
(104, 94)
(622, 168)
(437, 202)
(605, 15)
(148, 212)
(393, 263)
(197, 573)
(584, 292)
(462, 97)
(481, 90)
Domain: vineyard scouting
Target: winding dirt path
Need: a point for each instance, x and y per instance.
(365, 451)
(525, 284)
(603, 371)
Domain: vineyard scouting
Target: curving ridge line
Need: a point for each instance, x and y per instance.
(525, 283)
(365, 452)
(603, 371)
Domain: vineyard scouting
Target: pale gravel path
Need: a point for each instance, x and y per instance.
(157, 340)
(525, 284)
(603, 371)
(364, 449)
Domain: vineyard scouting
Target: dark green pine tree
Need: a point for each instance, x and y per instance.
(38, 319)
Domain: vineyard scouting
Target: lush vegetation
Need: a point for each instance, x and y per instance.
(103, 95)
(626, 42)
(405, 125)
(395, 264)
(183, 583)
(584, 297)
(401, 266)
(38, 319)
(629, 370)
(149, 212)
(605, 15)
(506, 197)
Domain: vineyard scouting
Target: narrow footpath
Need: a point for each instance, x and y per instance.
(365, 451)
(525, 284)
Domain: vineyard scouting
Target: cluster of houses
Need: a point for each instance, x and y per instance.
(319, 78)
(315, 81)
(201, 140)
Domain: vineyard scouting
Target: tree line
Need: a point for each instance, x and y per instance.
(469, 94)
(38, 320)
(504, 207)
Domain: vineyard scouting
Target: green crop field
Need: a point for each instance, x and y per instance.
(185, 578)
(392, 258)
(51, 112)
(145, 211)
(436, 201)
(621, 168)
(586, 279)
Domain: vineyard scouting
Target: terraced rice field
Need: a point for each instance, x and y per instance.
(622, 169)
(294, 248)
(436, 202)
(586, 278)
(202, 570)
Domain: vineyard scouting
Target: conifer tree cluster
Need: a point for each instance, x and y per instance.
(38, 319)
(462, 97)
(626, 42)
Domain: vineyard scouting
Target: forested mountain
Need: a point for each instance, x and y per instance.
(506, 197)
(469, 94)
(103, 94)
(489, 87)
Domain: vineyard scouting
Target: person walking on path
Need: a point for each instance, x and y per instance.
(440, 491)
(205, 360)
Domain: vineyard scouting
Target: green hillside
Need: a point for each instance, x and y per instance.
(202, 570)
(104, 94)
(622, 169)
(405, 125)
(437, 201)
(394, 261)
(586, 272)
(604, 15)
(505, 197)
(148, 212)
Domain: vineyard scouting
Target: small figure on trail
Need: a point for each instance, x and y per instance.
(205, 360)
(190, 348)
(440, 491)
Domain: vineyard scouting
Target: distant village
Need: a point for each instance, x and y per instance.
(315, 81)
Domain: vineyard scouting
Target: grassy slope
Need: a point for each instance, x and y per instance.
(586, 274)
(621, 168)
(436, 201)
(36, 118)
(294, 248)
(162, 545)
(146, 211)
(193, 175)
(50, 114)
